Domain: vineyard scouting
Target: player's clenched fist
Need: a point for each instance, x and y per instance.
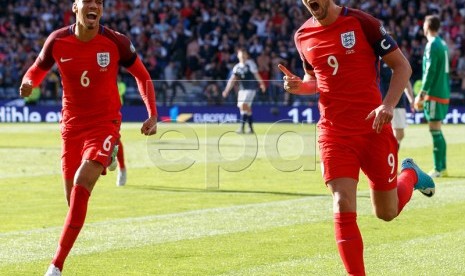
(149, 127)
(25, 89)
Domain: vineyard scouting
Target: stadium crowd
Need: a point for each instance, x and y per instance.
(195, 40)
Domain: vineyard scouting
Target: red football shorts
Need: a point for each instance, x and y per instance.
(375, 154)
(88, 143)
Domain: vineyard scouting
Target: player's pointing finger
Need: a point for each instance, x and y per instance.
(285, 70)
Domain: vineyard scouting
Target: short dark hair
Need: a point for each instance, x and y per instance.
(242, 49)
(433, 22)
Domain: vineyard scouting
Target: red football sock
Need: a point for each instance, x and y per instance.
(349, 242)
(405, 185)
(73, 224)
(120, 156)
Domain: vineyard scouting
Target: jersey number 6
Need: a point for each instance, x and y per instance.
(107, 143)
(85, 81)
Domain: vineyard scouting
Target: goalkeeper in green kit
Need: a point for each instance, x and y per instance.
(435, 90)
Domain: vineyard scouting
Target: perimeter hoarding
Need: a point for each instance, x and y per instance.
(201, 114)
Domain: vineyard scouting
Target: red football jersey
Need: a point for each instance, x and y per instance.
(345, 58)
(89, 72)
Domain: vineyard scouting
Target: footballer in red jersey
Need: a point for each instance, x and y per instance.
(344, 59)
(340, 50)
(88, 57)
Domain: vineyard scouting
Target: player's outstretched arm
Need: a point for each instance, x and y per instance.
(295, 85)
(147, 92)
(229, 86)
(25, 89)
(401, 72)
(149, 127)
(31, 79)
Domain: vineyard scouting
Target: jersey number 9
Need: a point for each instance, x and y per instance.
(332, 62)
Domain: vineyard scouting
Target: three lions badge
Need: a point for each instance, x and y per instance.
(348, 39)
(103, 59)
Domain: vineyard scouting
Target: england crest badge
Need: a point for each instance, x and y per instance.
(348, 39)
(103, 59)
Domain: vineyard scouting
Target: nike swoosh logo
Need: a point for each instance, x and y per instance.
(430, 194)
(102, 154)
(392, 179)
(311, 48)
(63, 60)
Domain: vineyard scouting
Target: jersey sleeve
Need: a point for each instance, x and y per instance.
(45, 59)
(145, 85)
(252, 66)
(234, 70)
(381, 42)
(307, 66)
(126, 50)
(44, 62)
(431, 61)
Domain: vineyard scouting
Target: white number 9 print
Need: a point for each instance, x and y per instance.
(391, 162)
(332, 62)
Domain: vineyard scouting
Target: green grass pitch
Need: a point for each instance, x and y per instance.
(201, 200)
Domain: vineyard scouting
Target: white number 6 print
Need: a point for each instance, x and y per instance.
(107, 143)
(85, 81)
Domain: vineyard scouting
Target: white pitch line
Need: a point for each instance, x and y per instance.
(410, 249)
(38, 244)
(147, 153)
(22, 246)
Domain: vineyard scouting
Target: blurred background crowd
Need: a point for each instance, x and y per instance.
(189, 46)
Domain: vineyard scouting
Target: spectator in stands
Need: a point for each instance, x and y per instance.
(52, 87)
(458, 69)
(161, 30)
(264, 65)
(173, 82)
(276, 94)
(193, 58)
(213, 94)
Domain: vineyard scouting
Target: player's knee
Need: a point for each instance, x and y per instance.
(343, 204)
(88, 173)
(386, 214)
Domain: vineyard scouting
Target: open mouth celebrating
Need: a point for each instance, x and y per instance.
(91, 16)
(314, 6)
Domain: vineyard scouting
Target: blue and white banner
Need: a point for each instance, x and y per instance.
(200, 114)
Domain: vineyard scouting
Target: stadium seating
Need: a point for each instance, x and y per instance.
(163, 31)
